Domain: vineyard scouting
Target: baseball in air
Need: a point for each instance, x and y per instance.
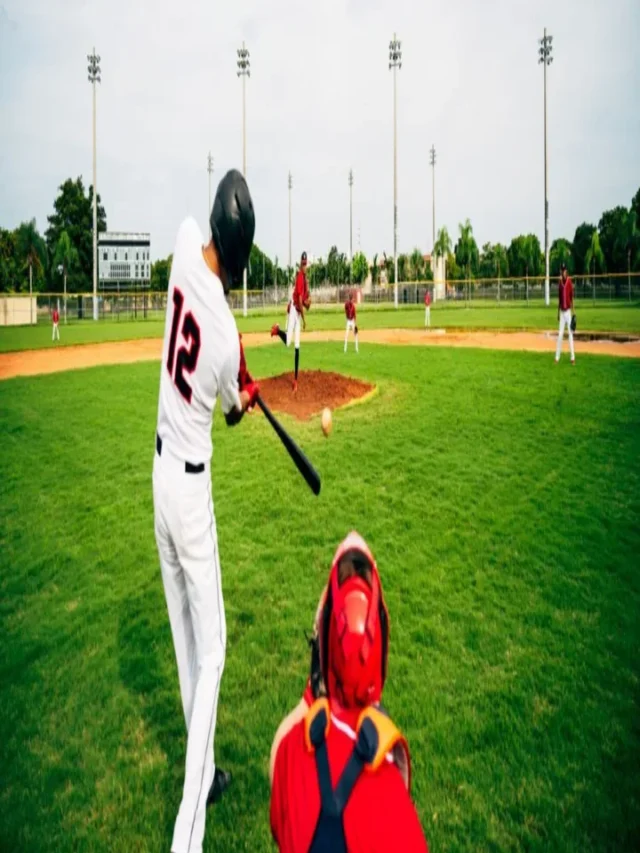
(326, 421)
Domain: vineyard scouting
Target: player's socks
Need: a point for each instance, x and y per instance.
(283, 336)
(297, 361)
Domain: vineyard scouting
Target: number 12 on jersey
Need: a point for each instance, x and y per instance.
(187, 356)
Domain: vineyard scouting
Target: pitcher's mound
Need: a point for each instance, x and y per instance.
(316, 389)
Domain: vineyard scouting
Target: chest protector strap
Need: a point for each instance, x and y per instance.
(376, 735)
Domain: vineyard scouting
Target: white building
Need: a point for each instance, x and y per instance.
(124, 257)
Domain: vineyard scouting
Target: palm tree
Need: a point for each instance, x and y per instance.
(66, 256)
(442, 247)
(467, 249)
(626, 239)
(417, 262)
(594, 256)
(374, 270)
(33, 249)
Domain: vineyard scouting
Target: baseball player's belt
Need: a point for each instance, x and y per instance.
(189, 467)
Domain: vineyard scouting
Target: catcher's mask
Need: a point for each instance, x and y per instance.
(353, 627)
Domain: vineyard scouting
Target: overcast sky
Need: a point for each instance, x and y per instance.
(319, 101)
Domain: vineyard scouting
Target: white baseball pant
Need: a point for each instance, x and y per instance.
(565, 320)
(56, 332)
(351, 327)
(294, 321)
(187, 543)
(427, 315)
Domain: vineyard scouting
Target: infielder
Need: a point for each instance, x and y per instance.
(201, 359)
(56, 320)
(565, 312)
(299, 302)
(427, 309)
(350, 314)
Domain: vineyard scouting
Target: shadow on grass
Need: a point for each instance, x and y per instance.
(148, 670)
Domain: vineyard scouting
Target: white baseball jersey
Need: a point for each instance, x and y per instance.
(200, 353)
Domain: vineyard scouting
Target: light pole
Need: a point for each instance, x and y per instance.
(432, 163)
(244, 71)
(395, 62)
(210, 171)
(544, 57)
(350, 224)
(290, 185)
(94, 77)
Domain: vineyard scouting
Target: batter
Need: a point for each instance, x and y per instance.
(201, 360)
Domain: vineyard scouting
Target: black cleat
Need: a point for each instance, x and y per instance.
(221, 781)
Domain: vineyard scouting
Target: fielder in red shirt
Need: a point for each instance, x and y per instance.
(56, 319)
(566, 312)
(340, 769)
(350, 314)
(427, 308)
(299, 303)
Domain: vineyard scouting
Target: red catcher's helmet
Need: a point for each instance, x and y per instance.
(354, 627)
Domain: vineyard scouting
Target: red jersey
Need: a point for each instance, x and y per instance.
(427, 299)
(350, 310)
(565, 294)
(379, 815)
(301, 290)
(56, 316)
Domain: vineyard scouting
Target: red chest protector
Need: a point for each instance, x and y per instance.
(376, 735)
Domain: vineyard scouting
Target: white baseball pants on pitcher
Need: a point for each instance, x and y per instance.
(565, 320)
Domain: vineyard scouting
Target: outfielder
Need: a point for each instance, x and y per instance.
(201, 359)
(350, 314)
(427, 309)
(565, 312)
(299, 302)
(56, 320)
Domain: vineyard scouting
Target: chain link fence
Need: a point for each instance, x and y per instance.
(21, 309)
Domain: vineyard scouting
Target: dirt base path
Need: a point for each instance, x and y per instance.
(53, 360)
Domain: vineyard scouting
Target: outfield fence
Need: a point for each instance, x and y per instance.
(20, 308)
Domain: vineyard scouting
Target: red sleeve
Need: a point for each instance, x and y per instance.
(346, 310)
(276, 808)
(404, 832)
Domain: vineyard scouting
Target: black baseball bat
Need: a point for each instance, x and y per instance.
(302, 463)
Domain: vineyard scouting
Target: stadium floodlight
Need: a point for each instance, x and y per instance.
(244, 71)
(545, 58)
(395, 63)
(290, 186)
(432, 163)
(94, 77)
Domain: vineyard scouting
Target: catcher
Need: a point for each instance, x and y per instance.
(339, 732)
(298, 304)
(350, 314)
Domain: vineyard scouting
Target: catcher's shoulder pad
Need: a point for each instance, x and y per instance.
(317, 723)
(378, 736)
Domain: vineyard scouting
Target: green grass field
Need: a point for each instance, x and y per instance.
(602, 317)
(501, 496)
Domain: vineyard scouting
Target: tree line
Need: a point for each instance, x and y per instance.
(62, 258)
(613, 246)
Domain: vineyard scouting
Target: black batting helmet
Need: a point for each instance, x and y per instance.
(233, 224)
